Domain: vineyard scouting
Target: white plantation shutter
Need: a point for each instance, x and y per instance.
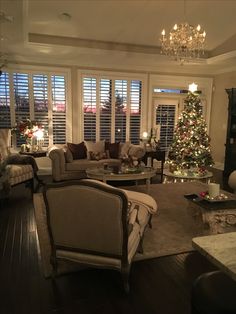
(111, 108)
(105, 109)
(120, 110)
(58, 109)
(135, 111)
(165, 116)
(21, 92)
(40, 92)
(5, 116)
(89, 108)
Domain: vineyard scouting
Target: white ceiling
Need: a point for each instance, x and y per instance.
(116, 33)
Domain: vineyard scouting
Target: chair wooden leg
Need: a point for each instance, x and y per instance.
(125, 276)
(140, 246)
(150, 222)
(32, 186)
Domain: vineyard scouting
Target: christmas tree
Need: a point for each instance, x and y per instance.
(190, 151)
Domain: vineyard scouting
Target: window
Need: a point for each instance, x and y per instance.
(111, 109)
(40, 90)
(5, 116)
(37, 96)
(58, 109)
(105, 109)
(165, 117)
(135, 110)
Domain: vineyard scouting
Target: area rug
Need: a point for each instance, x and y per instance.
(173, 227)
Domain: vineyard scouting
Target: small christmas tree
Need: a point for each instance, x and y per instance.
(190, 150)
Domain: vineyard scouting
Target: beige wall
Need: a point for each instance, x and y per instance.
(219, 114)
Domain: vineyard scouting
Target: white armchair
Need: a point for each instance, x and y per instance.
(91, 223)
(232, 181)
(15, 173)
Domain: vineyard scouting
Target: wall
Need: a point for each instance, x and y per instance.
(219, 115)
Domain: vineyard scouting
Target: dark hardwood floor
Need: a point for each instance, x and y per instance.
(160, 285)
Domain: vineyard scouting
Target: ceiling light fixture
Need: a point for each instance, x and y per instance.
(65, 17)
(184, 43)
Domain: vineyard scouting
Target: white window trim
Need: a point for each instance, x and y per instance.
(181, 82)
(29, 69)
(111, 75)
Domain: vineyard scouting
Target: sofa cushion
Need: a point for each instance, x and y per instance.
(78, 151)
(81, 164)
(98, 147)
(113, 149)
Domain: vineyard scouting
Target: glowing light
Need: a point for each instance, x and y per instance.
(192, 87)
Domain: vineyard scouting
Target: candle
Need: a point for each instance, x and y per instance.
(213, 190)
(149, 162)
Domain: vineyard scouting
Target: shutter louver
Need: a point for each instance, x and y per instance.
(120, 110)
(135, 111)
(105, 109)
(165, 116)
(5, 115)
(40, 89)
(21, 91)
(89, 108)
(58, 109)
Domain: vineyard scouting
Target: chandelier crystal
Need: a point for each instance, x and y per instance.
(184, 43)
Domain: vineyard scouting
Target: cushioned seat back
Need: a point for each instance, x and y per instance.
(87, 218)
(5, 142)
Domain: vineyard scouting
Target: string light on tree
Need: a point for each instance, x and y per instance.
(190, 150)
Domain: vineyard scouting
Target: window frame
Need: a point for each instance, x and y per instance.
(111, 75)
(49, 71)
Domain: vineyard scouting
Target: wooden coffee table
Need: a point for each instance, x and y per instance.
(109, 175)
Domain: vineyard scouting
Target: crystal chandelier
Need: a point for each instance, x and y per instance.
(184, 43)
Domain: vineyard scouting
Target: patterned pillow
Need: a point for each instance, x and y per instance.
(96, 147)
(78, 150)
(97, 155)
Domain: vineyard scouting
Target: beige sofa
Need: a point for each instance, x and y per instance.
(64, 168)
(72, 235)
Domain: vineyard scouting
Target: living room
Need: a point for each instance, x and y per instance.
(101, 50)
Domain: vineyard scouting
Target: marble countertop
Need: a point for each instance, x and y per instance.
(220, 249)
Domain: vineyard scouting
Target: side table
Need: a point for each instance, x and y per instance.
(173, 178)
(158, 155)
(216, 217)
(36, 154)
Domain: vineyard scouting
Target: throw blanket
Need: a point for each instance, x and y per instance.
(22, 160)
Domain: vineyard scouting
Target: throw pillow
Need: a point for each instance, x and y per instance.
(78, 150)
(97, 155)
(112, 149)
(136, 151)
(124, 149)
(97, 147)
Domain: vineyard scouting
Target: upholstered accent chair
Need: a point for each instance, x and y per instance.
(14, 173)
(87, 222)
(232, 181)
